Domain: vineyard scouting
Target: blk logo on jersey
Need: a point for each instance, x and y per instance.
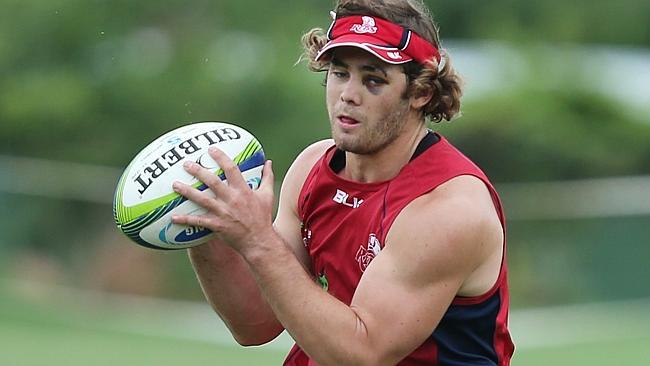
(345, 199)
(366, 254)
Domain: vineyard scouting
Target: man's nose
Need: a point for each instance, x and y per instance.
(351, 92)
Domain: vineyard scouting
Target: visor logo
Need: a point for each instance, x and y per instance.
(394, 55)
(368, 26)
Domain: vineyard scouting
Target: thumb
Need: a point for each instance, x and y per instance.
(268, 179)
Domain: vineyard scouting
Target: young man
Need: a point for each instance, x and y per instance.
(388, 246)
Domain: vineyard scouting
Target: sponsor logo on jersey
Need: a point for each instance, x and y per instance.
(367, 253)
(344, 199)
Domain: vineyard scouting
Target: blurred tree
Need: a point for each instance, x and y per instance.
(533, 135)
(555, 21)
(94, 81)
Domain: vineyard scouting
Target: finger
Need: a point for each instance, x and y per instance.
(201, 198)
(207, 177)
(230, 169)
(190, 220)
(268, 178)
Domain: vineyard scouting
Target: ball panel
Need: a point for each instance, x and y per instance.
(252, 156)
(165, 234)
(144, 200)
(148, 177)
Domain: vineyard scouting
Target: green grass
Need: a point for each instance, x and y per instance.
(43, 329)
(37, 333)
(634, 351)
(35, 344)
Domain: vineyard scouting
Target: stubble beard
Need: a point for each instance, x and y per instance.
(374, 137)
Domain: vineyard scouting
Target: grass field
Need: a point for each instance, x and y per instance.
(50, 326)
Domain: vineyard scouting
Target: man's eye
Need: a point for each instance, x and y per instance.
(375, 81)
(339, 74)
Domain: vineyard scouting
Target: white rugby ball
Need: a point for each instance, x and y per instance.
(144, 199)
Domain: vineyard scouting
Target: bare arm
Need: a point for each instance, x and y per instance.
(226, 279)
(229, 287)
(432, 251)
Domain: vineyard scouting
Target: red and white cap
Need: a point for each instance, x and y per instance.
(388, 41)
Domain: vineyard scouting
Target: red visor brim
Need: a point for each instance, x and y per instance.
(386, 53)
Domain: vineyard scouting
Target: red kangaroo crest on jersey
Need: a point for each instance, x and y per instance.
(365, 255)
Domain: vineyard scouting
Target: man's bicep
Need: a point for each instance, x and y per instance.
(406, 290)
(398, 307)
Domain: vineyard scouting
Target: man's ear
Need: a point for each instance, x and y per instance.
(421, 98)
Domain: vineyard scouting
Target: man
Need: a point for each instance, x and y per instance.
(388, 246)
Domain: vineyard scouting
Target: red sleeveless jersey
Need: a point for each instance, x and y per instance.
(345, 225)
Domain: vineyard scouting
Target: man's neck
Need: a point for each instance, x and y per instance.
(386, 163)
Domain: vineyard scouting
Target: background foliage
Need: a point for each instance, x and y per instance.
(94, 81)
(556, 90)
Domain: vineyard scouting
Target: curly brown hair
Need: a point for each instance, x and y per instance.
(445, 83)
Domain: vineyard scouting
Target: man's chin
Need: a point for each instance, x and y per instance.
(352, 147)
(349, 143)
(344, 145)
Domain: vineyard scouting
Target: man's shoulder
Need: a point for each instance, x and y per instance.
(300, 168)
(457, 214)
(309, 155)
(465, 196)
(465, 190)
(305, 161)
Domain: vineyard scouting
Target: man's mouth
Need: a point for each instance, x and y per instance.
(347, 120)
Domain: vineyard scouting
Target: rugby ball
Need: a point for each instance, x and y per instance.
(144, 200)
